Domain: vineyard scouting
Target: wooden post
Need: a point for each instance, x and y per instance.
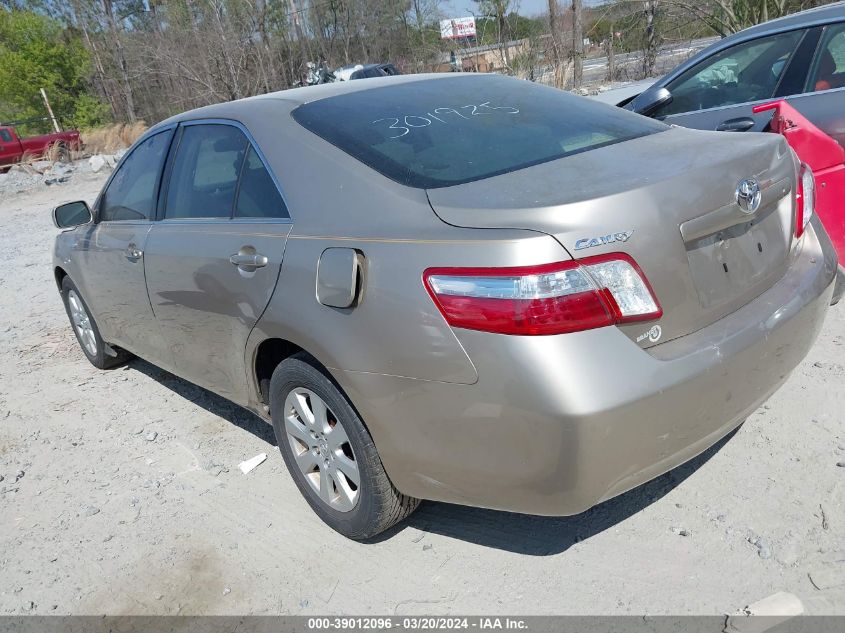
(50, 111)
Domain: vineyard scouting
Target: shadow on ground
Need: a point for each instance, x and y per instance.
(209, 401)
(545, 536)
(520, 533)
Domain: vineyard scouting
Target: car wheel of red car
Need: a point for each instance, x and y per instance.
(63, 153)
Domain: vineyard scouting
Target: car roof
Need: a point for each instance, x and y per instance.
(307, 94)
(818, 15)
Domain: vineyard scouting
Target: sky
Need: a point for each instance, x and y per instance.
(463, 8)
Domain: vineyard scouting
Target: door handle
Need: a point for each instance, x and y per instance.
(133, 253)
(248, 260)
(742, 124)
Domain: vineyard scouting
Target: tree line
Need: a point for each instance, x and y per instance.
(127, 60)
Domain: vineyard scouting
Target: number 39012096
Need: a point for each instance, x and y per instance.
(405, 124)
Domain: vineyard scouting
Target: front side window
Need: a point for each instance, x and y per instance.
(6, 136)
(829, 66)
(441, 132)
(743, 73)
(204, 179)
(131, 194)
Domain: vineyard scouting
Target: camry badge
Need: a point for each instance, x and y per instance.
(601, 240)
(748, 195)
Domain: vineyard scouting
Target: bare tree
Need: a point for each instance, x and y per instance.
(730, 16)
(559, 67)
(577, 43)
(111, 20)
(652, 43)
(498, 10)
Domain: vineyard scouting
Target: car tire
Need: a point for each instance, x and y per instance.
(63, 153)
(86, 331)
(314, 456)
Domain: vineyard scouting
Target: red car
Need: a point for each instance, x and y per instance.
(13, 147)
(825, 158)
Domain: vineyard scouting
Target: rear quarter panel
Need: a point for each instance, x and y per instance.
(335, 201)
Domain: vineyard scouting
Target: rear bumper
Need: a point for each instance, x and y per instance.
(557, 424)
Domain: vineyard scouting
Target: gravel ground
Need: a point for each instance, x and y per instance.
(120, 494)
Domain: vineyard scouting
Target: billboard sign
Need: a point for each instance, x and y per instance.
(457, 28)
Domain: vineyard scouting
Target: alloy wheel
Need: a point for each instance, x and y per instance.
(321, 449)
(82, 323)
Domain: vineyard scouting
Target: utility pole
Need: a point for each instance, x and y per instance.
(577, 44)
(50, 111)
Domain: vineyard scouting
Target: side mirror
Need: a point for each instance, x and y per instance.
(71, 214)
(650, 100)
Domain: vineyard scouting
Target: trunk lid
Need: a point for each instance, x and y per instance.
(669, 200)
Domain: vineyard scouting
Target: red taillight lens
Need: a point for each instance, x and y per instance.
(549, 299)
(805, 199)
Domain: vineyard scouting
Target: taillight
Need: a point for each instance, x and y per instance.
(548, 299)
(805, 200)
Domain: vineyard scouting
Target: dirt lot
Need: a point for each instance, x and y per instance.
(120, 494)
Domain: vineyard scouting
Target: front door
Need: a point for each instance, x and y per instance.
(213, 261)
(9, 147)
(112, 253)
(719, 92)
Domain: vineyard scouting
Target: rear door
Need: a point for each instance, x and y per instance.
(111, 252)
(823, 101)
(213, 260)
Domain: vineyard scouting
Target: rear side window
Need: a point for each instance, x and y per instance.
(258, 196)
(204, 179)
(6, 136)
(131, 194)
(441, 132)
(829, 66)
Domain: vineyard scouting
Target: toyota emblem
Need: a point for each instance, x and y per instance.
(748, 195)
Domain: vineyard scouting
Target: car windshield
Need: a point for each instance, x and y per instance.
(442, 132)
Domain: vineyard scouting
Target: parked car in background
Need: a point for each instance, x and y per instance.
(365, 71)
(375, 70)
(500, 295)
(822, 156)
(13, 147)
(799, 58)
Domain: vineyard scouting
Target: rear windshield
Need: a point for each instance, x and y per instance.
(443, 132)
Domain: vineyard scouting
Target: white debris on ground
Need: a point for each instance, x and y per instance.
(105, 161)
(765, 614)
(251, 464)
(119, 495)
(44, 173)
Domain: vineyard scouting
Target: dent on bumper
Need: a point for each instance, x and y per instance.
(557, 424)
